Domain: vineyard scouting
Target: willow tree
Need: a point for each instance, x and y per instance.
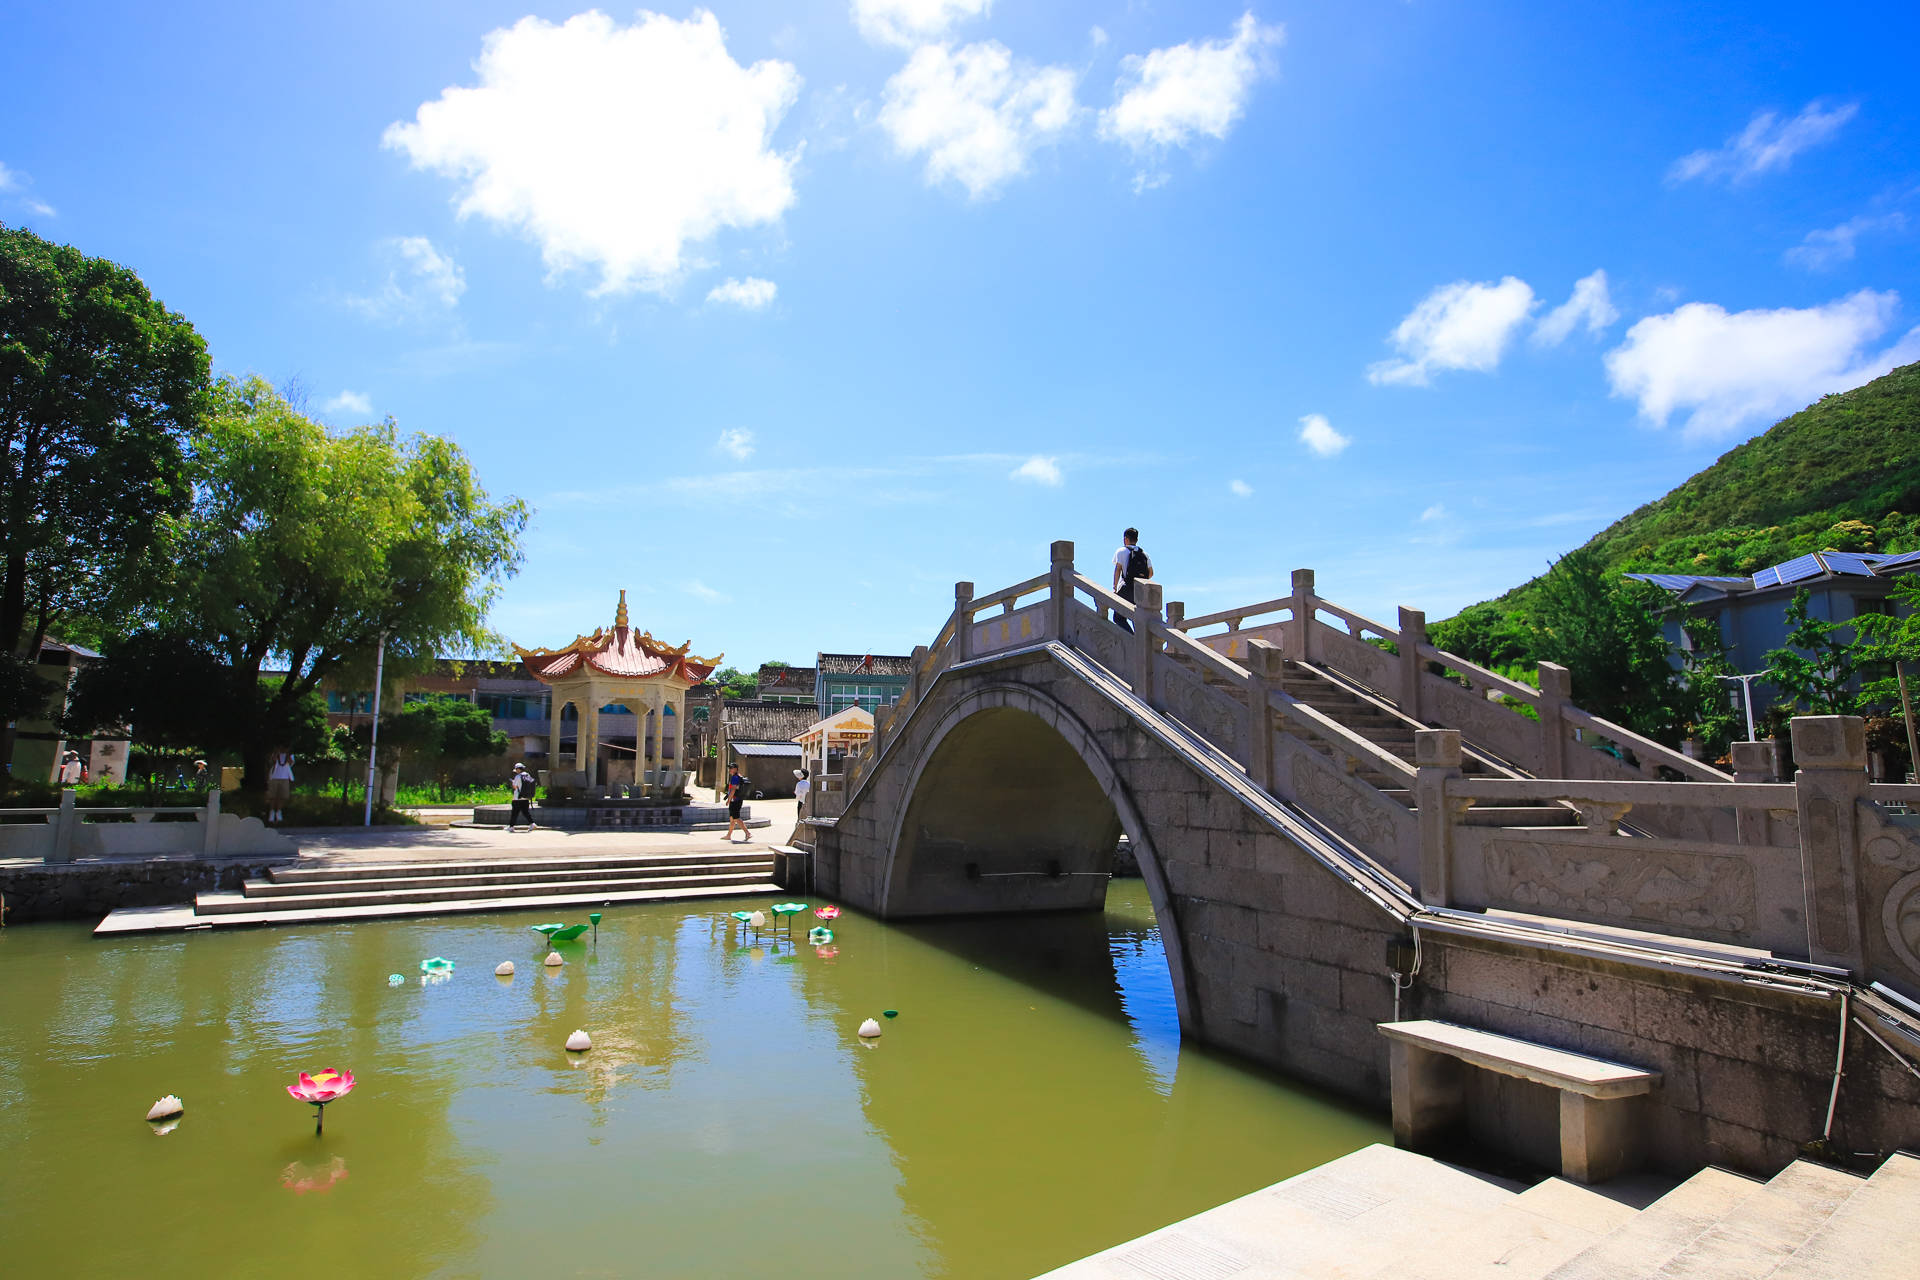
(303, 547)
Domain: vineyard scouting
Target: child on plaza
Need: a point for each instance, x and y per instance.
(279, 784)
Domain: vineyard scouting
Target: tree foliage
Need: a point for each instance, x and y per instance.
(1885, 640)
(1814, 672)
(101, 389)
(735, 683)
(302, 547)
(438, 731)
(1605, 630)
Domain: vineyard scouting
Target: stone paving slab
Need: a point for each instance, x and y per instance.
(176, 919)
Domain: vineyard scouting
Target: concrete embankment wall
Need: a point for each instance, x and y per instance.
(1276, 957)
(90, 890)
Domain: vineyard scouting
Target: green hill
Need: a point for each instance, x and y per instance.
(1842, 474)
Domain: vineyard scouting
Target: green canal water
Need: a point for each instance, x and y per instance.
(1031, 1103)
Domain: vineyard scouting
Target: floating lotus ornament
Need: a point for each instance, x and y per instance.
(321, 1089)
(396, 979)
(869, 1029)
(819, 937)
(754, 920)
(439, 964)
(827, 912)
(548, 929)
(786, 911)
(593, 918)
(567, 934)
(579, 1042)
(504, 969)
(553, 960)
(167, 1108)
(758, 920)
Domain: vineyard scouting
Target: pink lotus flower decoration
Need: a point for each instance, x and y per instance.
(323, 1088)
(320, 1090)
(827, 913)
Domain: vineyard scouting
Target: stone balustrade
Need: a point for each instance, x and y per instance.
(69, 832)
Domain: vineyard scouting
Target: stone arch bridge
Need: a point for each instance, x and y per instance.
(1340, 825)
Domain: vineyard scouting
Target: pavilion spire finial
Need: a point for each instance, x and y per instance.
(620, 614)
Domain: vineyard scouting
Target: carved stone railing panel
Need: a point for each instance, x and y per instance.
(1233, 644)
(1024, 626)
(1889, 894)
(1380, 827)
(1369, 664)
(1717, 892)
(1099, 639)
(1212, 713)
(1482, 722)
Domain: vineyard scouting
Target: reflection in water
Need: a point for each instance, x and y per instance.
(1031, 1102)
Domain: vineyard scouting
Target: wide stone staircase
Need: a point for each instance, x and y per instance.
(1386, 1214)
(360, 890)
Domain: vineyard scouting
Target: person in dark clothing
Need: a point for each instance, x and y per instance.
(736, 795)
(524, 785)
(1130, 565)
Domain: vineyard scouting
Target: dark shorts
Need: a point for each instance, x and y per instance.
(733, 807)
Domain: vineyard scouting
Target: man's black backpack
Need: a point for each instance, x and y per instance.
(1138, 565)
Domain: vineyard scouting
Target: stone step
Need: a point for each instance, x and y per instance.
(1875, 1235)
(1525, 1238)
(176, 919)
(1766, 1228)
(1650, 1240)
(331, 871)
(209, 904)
(1545, 815)
(759, 867)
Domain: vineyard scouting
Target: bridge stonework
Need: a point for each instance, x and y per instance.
(1001, 788)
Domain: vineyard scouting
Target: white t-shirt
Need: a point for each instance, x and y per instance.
(1120, 559)
(801, 788)
(69, 771)
(282, 770)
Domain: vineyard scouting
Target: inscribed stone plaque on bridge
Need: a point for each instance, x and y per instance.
(1333, 1198)
(1179, 1257)
(1660, 887)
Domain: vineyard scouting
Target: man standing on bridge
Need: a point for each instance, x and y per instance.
(1130, 564)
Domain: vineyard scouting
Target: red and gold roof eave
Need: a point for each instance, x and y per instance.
(678, 663)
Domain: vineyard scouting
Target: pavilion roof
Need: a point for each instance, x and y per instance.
(618, 651)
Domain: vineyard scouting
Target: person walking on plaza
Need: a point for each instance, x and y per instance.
(279, 784)
(1130, 565)
(736, 795)
(70, 769)
(802, 788)
(522, 785)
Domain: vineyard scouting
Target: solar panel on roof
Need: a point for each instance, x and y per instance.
(1856, 564)
(1798, 569)
(1899, 561)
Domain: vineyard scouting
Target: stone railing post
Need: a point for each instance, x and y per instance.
(962, 622)
(1264, 666)
(1436, 755)
(1556, 691)
(920, 655)
(210, 821)
(65, 826)
(1754, 762)
(1059, 588)
(1146, 613)
(1832, 781)
(1299, 631)
(1177, 614)
(1413, 635)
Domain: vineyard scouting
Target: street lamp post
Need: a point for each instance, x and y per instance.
(1746, 697)
(373, 739)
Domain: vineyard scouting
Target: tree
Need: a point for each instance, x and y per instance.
(735, 683)
(442, 730)
(173, 693)
(1892, 638)
(1605, 629)
(1814, 671)
(1708, 706)
(101, 389)
(303, 547)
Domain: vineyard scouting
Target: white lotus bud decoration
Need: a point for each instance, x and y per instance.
(504, 969)
(554, 960)
(579, 1042)
(166, 1107)
(869, 1029)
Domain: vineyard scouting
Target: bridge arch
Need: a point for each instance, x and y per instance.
(1011, 804)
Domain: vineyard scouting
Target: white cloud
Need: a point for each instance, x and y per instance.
(707, 593)
(1835, 244)
(1731, 370)
(1039, 470)
(1766, 144)
(1434, 512)
(1172, 96)
(421, 282)
(611, 146)
(1098, 35)
(356, 403)
(1318, 435)
(9, 180)
(736, 443)
(912, 22)
(1589, 305)
(752, 293)
(1240, 489)
(1457, 326)
(975, 113)
(13, 182)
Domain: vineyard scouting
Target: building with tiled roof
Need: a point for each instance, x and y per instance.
(760, 738)
(785, 684)
(867, 680)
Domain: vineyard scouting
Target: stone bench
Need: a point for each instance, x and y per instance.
(1598, 1139)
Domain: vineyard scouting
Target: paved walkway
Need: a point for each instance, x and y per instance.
(420, 844)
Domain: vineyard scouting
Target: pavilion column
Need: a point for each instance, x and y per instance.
(589, 738)
(554, 706)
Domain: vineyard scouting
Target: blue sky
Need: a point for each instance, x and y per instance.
(785, 316)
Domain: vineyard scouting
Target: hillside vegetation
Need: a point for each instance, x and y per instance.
(1842, 474)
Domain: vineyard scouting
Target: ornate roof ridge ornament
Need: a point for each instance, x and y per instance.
(603, 643)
